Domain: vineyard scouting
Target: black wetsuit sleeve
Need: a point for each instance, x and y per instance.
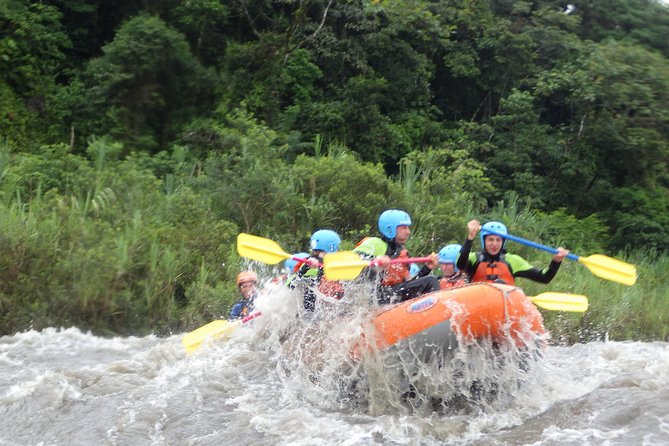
(424, 271)
(463, 259)
(541, 276)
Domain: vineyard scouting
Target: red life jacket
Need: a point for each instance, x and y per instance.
(453, 281)
(397, 272)
(331, 288)
(493, 272)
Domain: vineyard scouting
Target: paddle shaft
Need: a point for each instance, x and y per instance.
(405, 260)
(523, 241)
(347, 265)
(304, 260)
(598, 264)
(251, 316)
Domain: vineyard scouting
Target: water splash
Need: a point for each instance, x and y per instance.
(317, 361)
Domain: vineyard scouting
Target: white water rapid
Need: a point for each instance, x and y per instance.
(65, 387)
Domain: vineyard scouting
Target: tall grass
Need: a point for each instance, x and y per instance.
(103, 252)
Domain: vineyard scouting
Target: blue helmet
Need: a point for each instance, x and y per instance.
(390, 220)
(325, 240)
(290, 264)
(449, 254)
(414, 269)
(493, 226)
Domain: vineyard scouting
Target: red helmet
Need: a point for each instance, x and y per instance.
(246, 276)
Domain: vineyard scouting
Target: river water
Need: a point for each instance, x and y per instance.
(67, 387)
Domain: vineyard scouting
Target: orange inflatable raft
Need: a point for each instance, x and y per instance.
(444, 319)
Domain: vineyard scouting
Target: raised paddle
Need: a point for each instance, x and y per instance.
(215, 329)
(600, 265)
(347, 265)
(575, 303)
(262, 249)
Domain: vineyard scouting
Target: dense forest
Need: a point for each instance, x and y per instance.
(137, 139)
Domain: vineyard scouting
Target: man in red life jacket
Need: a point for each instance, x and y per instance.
(395, 282)
(493, 264)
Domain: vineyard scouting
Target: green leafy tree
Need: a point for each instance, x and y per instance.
(31, 46)
(524, 155)
(144, 88)
(615, 100)
(206, 25)
(32, 57)
(354, 192)
(642, 21)
(91, 24)
(640, 219)
(444, 187)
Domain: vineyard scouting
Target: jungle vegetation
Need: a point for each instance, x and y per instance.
(137, 139)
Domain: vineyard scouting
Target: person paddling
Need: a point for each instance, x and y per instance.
(451, 275)
(493, 264)
(290, 267)
(395, 282)
(247, 284)
(310, 273)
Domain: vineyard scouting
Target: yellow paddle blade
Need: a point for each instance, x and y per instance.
(576, 303)
(191, 341)
(343, 265)
(260, 249)
(610, 269)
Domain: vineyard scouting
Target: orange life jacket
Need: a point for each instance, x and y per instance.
(397, 272)
(280, 279)
(493, 272)
(450, 282)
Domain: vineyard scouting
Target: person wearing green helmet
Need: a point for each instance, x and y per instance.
(395, 283)
(493, 264)
(310, 273)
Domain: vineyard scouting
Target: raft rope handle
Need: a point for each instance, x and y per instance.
(505, 297)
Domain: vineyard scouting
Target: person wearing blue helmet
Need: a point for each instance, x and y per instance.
(290, 266)
(451, 275)
(414, 269)
(493, 264)
(395, 281)
(310, 273)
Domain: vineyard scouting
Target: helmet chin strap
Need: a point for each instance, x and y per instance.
(388, 240)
